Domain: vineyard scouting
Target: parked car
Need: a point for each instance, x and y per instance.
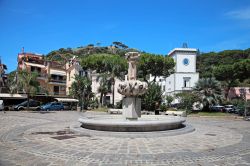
(33, 105)
(1, 105)
(51, 106)
(217, 108)
(230, 108)
(240, 110)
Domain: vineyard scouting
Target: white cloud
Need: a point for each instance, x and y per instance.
(242, 14)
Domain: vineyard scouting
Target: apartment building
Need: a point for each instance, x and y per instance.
(73, 68)
(3, 78)
(51, 75)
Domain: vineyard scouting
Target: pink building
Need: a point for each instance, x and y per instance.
(239, 92)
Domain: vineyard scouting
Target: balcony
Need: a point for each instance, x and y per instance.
(57, 65)
(42, 76)
(58, 93)
(56, 81)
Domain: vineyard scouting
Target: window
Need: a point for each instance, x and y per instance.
(62, 88)
(186, 81)
(35, 69)
(56, 90)
(81, 73)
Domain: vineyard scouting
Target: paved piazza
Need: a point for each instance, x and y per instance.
(33, 138)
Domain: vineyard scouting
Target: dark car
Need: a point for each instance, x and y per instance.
(217, 108)
(33, 105)
(52, 106)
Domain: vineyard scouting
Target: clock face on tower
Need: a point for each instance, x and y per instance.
(185, 61)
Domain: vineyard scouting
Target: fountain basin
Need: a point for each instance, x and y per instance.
(144, 124)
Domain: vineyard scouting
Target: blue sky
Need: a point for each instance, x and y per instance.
(155, 26)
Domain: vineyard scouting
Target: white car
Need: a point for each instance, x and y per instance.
(1, 105)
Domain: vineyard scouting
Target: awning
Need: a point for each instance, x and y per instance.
(66, 100)
(34, 64)
(58, 72)
(13, 96)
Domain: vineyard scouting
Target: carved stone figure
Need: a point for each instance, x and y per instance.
(132, 88)
(132, 58)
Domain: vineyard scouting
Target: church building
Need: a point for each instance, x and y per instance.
(185, 75)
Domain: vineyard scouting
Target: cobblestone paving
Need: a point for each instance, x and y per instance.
(28, 138)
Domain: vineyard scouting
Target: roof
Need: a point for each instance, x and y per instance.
(66, 100)
(182, 50)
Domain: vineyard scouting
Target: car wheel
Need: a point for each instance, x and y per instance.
(20, 109)
(38, 109)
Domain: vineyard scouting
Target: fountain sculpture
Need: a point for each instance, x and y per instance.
(132, 121)
(132, 88)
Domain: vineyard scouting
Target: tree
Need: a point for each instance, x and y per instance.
(187, 99)
(169, 100)
(104, 88)
(120, 45)
(156, 65)
(113, 66)
(242, 69)
(208, 91)
(81, 89)
(230, 75)
(27, 81)
(152, 97)
(226, 74)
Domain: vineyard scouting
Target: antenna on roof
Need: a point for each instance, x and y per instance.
(22, 49)
(184, 45)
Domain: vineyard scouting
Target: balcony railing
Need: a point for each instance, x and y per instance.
(57, 81)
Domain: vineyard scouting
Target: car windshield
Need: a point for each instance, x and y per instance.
(48, 104)
(23, 103)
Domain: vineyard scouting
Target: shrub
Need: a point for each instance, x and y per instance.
(187, 100)
(152, 98)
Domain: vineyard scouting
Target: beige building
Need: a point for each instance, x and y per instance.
(73, 68)
(109, 97)
(3, 78)
(51, 75)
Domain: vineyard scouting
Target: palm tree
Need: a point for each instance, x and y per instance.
(104, 88)
(116, 68)
(209, 91)
(27, 82)
(81, 89)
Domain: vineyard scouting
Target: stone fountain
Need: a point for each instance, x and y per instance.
(131, 120)
(132, 88)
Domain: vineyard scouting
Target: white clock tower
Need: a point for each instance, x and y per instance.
(185, 75)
